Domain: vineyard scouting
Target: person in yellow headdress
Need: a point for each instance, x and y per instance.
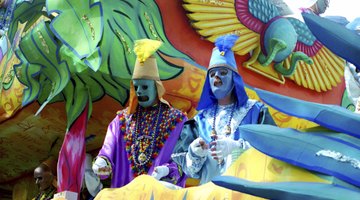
(141, 138)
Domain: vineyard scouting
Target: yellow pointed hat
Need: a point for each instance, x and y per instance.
(145, 68)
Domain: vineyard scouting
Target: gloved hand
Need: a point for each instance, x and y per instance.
(91, 180)
(223, 146)
(160, 171)
(100, 167)
(199, 147)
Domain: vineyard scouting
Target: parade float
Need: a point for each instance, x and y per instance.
(66, 68)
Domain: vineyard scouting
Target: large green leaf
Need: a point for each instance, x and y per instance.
(126, 21)
(40, 48)
(28, 75)
(79, 26)
(25, 12)
(117, 44)
(98, 83)
(77, 96)
(76, 65)
(114, 87)
(96, 89)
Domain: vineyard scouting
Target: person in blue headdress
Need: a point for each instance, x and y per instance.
(211, 141)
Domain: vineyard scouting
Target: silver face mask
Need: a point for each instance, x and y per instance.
(146, 92)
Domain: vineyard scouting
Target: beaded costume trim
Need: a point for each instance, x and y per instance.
(140, 144)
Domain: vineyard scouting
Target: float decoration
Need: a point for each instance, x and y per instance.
(277, 43)
(76, 55)
(286, 190)
(327, 149)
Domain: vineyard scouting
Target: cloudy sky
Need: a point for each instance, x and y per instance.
(347, 8)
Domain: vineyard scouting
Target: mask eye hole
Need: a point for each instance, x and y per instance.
(212, 73)
(135, 87)
(223, 72)
(357, 70)
(144, 87)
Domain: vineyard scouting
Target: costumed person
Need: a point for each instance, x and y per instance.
(45, 179)
(141, 138)
(211, 141)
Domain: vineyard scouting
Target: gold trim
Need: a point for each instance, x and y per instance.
(88, 22)
(123, 41)
(151, 26)
(43, 42)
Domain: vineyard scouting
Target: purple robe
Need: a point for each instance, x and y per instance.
(116, 144)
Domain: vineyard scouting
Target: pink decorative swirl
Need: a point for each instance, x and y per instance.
(308, 50)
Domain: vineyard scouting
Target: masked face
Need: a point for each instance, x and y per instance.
(221, 81)
(43, 178)
(145, 91)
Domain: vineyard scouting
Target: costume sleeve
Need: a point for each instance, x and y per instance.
(190, 163)
(265, 116)
(108, 148)
(176, 175)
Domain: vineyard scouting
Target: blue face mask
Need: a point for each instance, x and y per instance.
(221, 82)
(145, 91)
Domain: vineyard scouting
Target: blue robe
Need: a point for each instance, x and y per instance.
(206, 168)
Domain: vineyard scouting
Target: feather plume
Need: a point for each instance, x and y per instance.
(144, 48)
(226, 42)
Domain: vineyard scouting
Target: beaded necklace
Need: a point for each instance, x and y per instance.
(47, 195)
(138, 148)
(227, 127)
(167, 122)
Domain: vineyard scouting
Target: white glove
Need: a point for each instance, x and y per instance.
(160, 171)
(224, 146)
(199, 147)
(100, 167)
(92, 181)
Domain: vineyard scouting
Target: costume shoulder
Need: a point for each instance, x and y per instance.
(177, 114)
(122, 112)
(123, 115)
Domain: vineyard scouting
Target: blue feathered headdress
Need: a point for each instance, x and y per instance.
(222, 55)
(225, 43)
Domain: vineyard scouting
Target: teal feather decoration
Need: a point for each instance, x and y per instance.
(226, 42)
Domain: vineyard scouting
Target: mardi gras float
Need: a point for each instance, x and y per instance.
(66, 68)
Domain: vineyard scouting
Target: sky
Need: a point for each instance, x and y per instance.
(347, 8)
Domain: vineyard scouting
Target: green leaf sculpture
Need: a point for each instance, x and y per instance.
(77, 96)
(40, 48)
(125, 22)
(27, 11)
(86, 51)
(79, 26)
(29, 76)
